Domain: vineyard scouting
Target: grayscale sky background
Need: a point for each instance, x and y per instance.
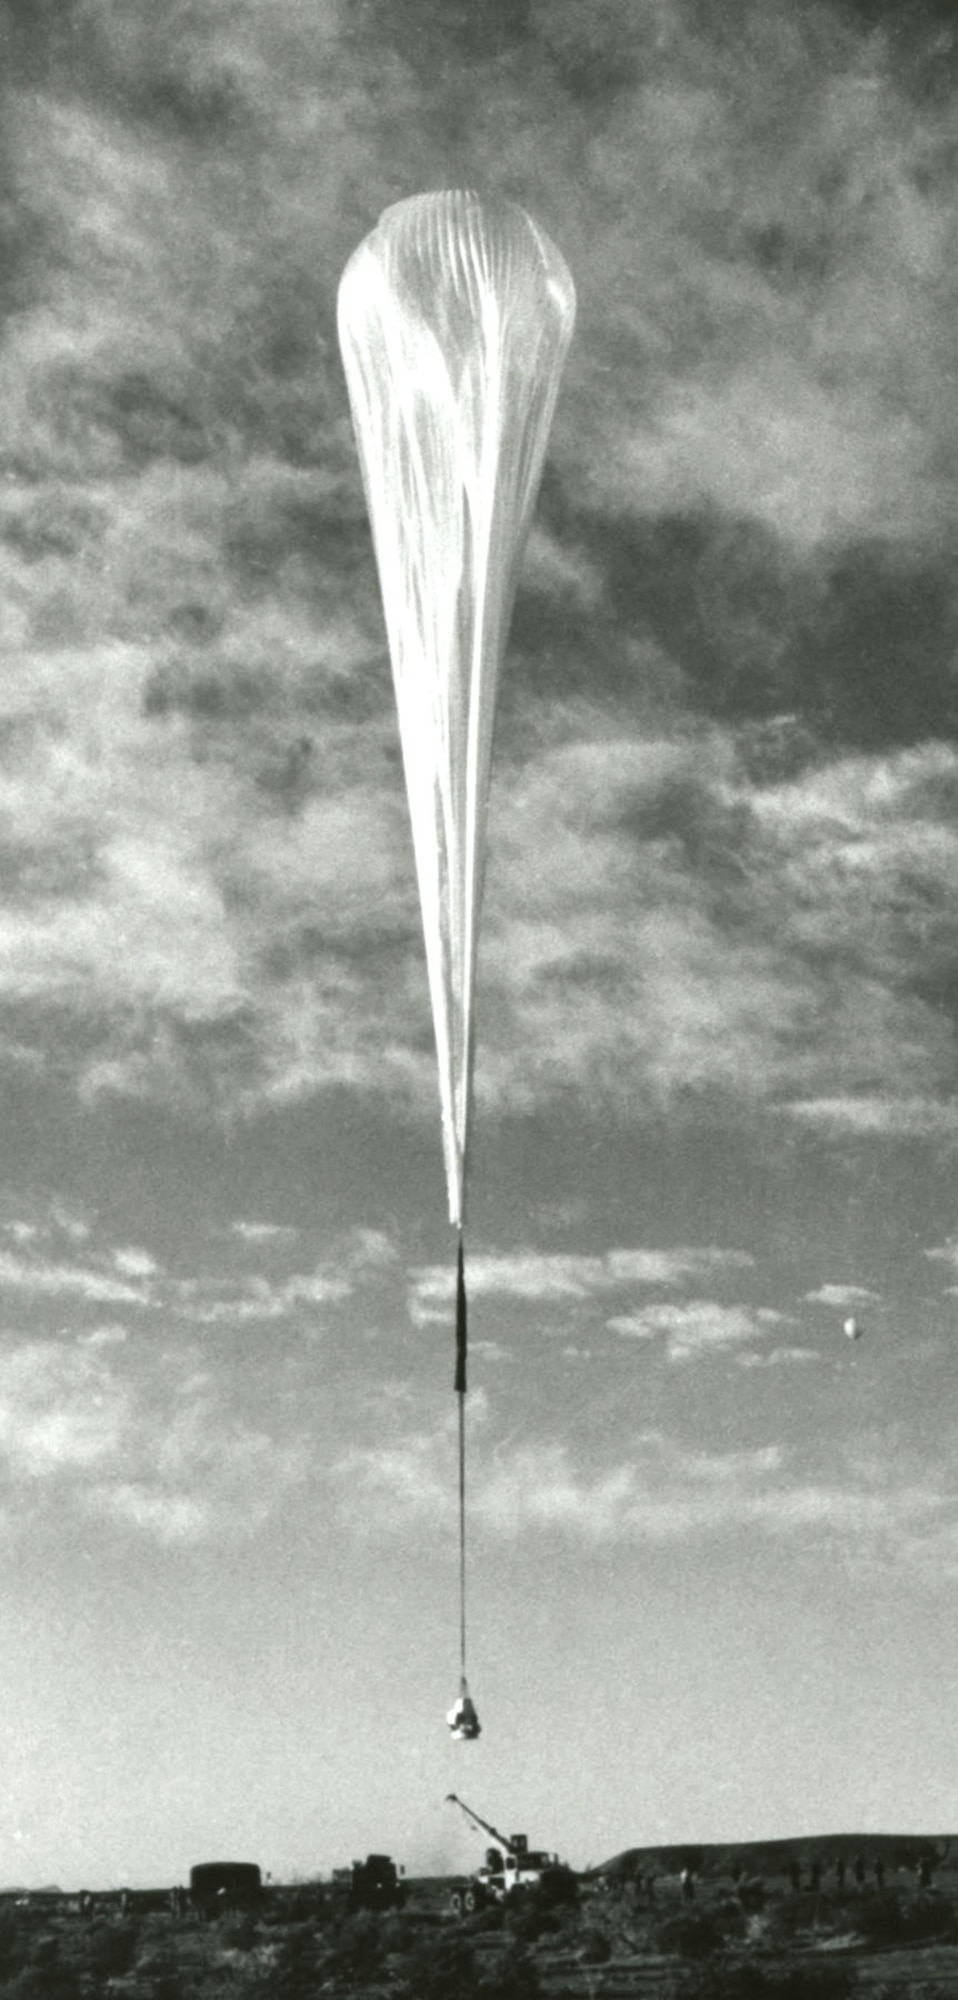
(714, 1545)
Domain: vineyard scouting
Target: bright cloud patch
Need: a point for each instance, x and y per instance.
(878, 1117)
(867, 1513)
(164, 1456)
(536, 1276)
(945, 1253)
(62, 1409)
(50, 1280)
(842, 1295)
(696, 1328)
(209, 894)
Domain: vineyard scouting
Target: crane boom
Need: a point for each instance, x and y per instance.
(452, 1798)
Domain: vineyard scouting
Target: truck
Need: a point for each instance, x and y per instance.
(373, 1884)
(510, 1868)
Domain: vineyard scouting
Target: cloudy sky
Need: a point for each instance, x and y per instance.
(713, 1544)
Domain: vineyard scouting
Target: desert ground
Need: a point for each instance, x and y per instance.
(826, 1918)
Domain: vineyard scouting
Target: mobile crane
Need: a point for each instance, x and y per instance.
(511, 1867)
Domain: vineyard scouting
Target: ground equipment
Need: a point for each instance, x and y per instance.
(511, 1867)
(373, 1884)
(225, 1885)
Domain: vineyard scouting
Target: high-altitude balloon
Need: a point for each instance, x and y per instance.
(852, 1328)
(455, 314)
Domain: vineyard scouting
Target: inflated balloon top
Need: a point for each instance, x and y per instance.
(455, 314)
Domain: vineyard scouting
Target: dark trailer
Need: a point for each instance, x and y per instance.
(225, 1885)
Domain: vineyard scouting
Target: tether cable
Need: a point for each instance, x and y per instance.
(462, 1537)
(460, 1388)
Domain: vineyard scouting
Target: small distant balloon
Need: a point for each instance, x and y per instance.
(852, 1328)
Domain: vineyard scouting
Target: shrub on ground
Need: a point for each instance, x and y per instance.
(889, 1917)
(109, 1949)
(44, 1977)
(293, 1973)
(699, 1933)
(440, 1968)
(511, 1976)
(594, 1946)
(356, 1947)
(14, 1942)
(743, 1979)
(529, 1917)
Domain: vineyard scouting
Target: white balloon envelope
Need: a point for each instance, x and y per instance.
(455, 315)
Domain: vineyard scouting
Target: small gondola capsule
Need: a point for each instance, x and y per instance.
(462, 1718)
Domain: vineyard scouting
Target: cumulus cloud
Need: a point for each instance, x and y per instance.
(723, 823)
(104, 1336)
(658, 930)
(408, 1477)
(867, 1513)
(877, 1117)
(263, 1232)
(944, 1253)
(226, 1302)
(361, 1257)
(697, 1327)
(557, 1278)
(165, 1517)
(44, 1279)
(539, 1489)
(779, 1357)
(135, 1263)
(228, 1293)
(163, 1455)
(61, 1410)
(842, 1295)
